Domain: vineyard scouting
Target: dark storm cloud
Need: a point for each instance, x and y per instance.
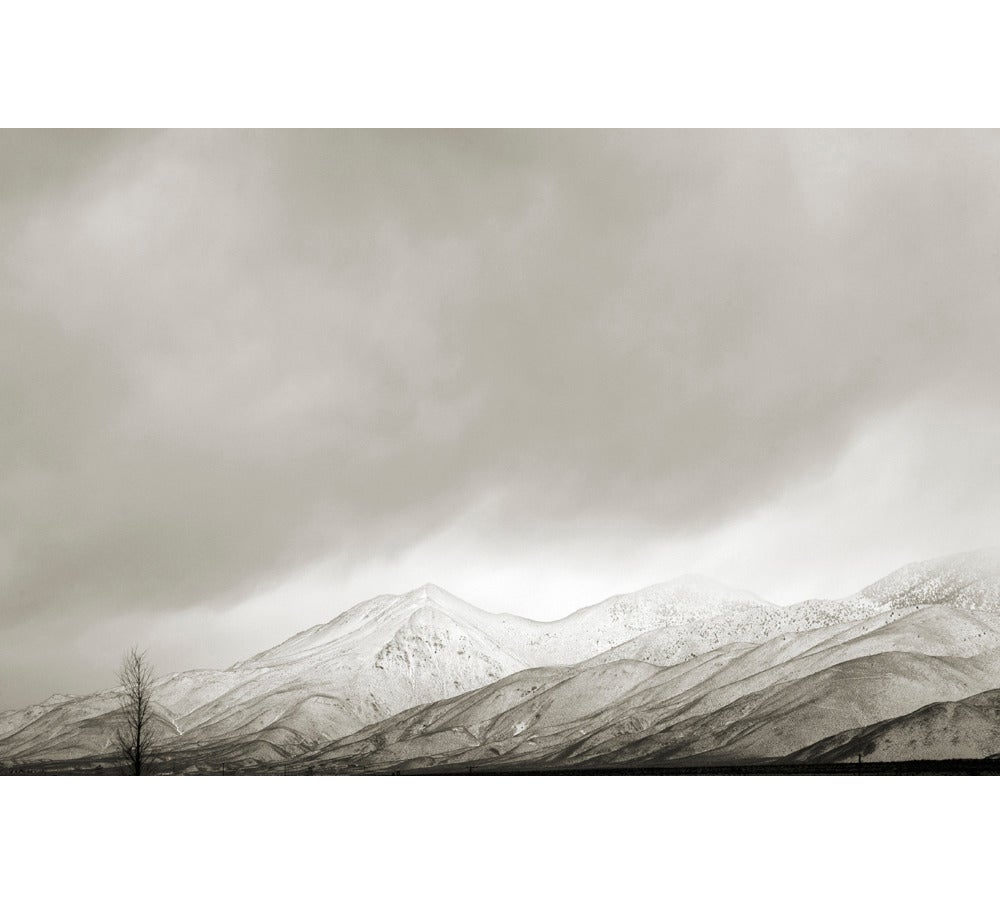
(226, 355)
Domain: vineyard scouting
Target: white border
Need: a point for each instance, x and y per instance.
(498, 846)
(526, 64)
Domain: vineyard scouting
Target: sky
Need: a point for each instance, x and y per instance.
(248, 379)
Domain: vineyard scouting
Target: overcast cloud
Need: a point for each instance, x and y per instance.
(247, 379)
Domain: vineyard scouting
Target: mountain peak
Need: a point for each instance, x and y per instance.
(702, 585)
(431, 592)
(970, 579)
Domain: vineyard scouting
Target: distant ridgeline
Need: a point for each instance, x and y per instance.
(684, 672)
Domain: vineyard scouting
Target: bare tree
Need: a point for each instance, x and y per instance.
(135, 734)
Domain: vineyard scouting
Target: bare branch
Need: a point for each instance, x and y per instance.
(135, 738)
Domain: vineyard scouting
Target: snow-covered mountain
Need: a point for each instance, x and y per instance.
(969, 581)
(683, 670)
(964, 729)
(372, 661)
(740, 702)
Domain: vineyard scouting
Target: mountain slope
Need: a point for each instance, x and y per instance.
(686, 669)
(377, 658)
(740, 702)
(968, 728)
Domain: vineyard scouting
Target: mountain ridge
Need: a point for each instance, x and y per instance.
(700, 647)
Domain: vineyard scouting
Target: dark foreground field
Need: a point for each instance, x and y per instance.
(955, 767)
(949, 767)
